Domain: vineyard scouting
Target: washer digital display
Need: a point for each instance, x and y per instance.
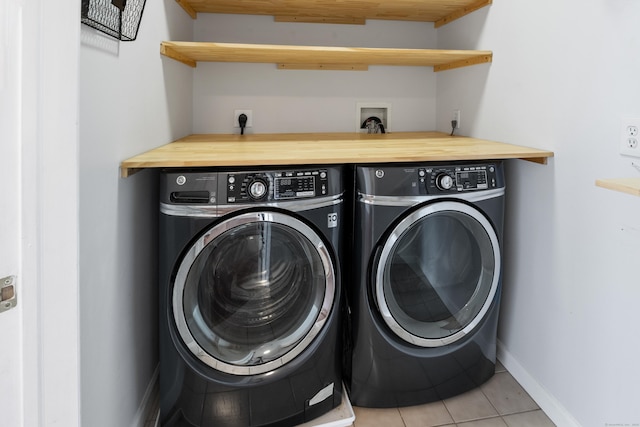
(293, 187)
(471, 180)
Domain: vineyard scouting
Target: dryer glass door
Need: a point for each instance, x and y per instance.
(438, 273)
(253, 291)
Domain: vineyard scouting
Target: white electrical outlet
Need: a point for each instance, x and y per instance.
(456, 117)
(248, 113)
(630, 135)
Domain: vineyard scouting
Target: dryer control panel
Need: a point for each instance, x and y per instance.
(429, 179)
(453, 179)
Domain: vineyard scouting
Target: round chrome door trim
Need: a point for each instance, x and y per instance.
(389, 244)
(221, 228)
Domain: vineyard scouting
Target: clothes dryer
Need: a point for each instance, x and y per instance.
(250, 296)
(427, 283)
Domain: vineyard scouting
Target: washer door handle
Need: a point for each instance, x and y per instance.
(375, 260)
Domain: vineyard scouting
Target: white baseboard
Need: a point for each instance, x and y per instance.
(148, 401)
(547, 402)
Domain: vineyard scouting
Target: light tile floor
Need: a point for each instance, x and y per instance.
(500, 402)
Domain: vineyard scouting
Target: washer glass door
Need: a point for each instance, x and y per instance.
(438, 273)
(253, 291)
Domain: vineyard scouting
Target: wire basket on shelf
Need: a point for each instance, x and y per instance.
(117, 18)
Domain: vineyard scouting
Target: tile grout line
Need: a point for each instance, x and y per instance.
(449, 412)
(487, 397)
(401, 417)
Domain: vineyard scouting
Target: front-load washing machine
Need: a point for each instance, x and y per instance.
(250, 296)
(427, 283)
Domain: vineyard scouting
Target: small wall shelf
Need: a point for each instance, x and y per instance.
(440, 12)
(321, 58)
(624, 185)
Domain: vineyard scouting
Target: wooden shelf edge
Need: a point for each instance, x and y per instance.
(175, 54)
(211, 150)
(349, 20)
(126, 172)
(480, 59)
(321, 57)
(186, 5)
(344, 13)
(461, 12)
(539, 160)
(335, 67)
(623, 185)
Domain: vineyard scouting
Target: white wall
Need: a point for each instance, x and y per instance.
(310, 101)
(564, 74)
(131, 100)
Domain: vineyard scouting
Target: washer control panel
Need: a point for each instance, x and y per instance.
(453, 179)
(247, 187)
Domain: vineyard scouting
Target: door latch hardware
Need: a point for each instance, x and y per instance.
(8, 296)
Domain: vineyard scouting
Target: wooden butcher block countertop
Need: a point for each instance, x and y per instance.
(324, 148)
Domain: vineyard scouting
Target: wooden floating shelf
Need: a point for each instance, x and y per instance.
(324, 148)
(321, 58)
(624, 185)
(440, 12)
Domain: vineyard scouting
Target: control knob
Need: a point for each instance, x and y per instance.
(257, 189)
(444, 181)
